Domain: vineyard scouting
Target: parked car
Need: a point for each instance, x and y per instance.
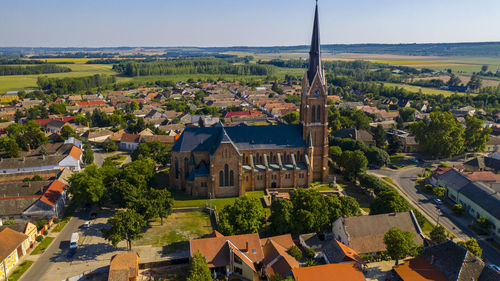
(438, 201)
(495, 267)
(87, 224)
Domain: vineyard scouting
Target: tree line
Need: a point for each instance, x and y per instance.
(193, 66)
(35, 69)
(64, 86)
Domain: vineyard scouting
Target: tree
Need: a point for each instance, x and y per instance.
(281, 212)
(458, 209)
(67, 132)
(28, 136)
(310, 213)
(354, 163)
(18, 115)
(454, 80)
(81, 119)
(9, 146)
(334, 152)
(57, 108)
(109, 146)
(295, 252)
(389, 201)
(407, 114)
(333, 118)
(476, 135)
(199, 270)
(87, 186)
(377, 157)
(438, 234)
(442, 136)
(484, 68)
(472, 246)
(439, 191)
(162, 202)
(399, 243)
(379, 136)
(243, 216)
(475, 82)
(124, 225)
(291, 117)
(88, 154)
(395, 144)
(155, 150)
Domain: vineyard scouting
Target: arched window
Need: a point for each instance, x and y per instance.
(257, 158)
(231, 178)
(186, 167)
(271, 158)
(221, 178)
(226, 175)
(313, 114)
(318, 114)
(284, 157)
(298, 156)
(176, 168)
(288, 158)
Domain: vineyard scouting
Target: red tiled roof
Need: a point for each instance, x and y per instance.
(483, 176)
(348, 271)
(350, 253)
(53, 192)
(9, 241)
(47, 120)
(242, 113)
(418, 269)
(130, 138)
(75, 152)
(92, 102)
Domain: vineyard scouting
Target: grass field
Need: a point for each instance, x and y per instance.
(182, 200)
(425, 91)
(42, 246)
(176, 231)
(20, 270)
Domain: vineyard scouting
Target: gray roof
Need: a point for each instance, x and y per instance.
(454, 261)
(14, 207)
(15, 189)
(242, 136)
(55, 123)
(28, 162)
(483, 196)
(489, 274)
(453, 179)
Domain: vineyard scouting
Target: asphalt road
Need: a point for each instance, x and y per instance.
(405, 179)
(56, 248)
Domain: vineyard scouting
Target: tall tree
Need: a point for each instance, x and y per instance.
(472, 246)
(9, 146)
(388, 201)
(243, 216)
(162, 202)
(438, 234)
(454, 80)
(442, 136)
(476, 135)
(124, 225)
(198, 268)
(308, 203)
(379, 136)
(354, 163)
(87, 186)
(475, 82)
(399, 243)
(281, 216)
(88, 154)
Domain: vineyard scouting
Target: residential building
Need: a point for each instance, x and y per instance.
(26, 228)
(331, 250)
(443, 262)
(365, 234)
(129, 141)
(124, 267)
(408, 140)
(12, 247)
(348, 271)
(355, 134)
(228, 161)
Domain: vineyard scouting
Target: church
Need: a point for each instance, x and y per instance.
(223, 161)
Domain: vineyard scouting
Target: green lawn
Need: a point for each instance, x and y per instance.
(176, 231)
(425, 91)
(42, 246)
(182, 200)
(358, 194)
(20, 270)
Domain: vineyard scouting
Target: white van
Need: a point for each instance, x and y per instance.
(73, 244)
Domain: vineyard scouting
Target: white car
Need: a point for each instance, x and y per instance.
(87, 224)
(438, 201)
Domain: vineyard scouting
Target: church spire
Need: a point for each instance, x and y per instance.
(315, 52)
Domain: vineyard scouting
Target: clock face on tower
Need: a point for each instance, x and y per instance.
(316, 92)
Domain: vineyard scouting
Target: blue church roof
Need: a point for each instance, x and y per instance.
(242, 136)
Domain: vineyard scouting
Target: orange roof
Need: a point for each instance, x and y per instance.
(483, 176)
(9, 241)
(348, 271)
(75, 152)
(418, 269)
(277, 260)
(216, 249)
(284, 240)
(350, 253)
(53, 192)
(123, 267)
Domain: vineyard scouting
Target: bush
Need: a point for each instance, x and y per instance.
(56, 220)
(295, 252)
(458, 209)
(444, 165)
(310, 253)
(429, 188)
(39, 238)
(45, 232)
(484, 223)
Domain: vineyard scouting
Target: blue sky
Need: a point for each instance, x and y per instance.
(96, 23)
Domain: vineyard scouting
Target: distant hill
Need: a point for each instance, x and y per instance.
(479, 49)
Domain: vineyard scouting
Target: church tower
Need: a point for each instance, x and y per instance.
(313, 108)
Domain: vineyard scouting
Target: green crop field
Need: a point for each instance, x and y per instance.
(425, 91)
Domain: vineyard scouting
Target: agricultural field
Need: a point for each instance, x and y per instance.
(425, 91)
(79, 69)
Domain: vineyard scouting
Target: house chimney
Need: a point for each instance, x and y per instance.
(246, 249)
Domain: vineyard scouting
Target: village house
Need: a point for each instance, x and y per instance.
(410, 144)
(129, 142)
(327, 247)
(13, 245)
(25, 227)
(347, 271)
(355, 134)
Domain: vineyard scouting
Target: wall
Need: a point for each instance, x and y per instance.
(339, 232)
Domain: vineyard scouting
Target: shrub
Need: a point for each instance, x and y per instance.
(36, 178)
(310, 253)
(484, 223)
(439, 191)
(45, 232)
(428, 188)
(311, 262)
(295, 252)
(56, 220)
(39, 238)
(444, 165)
(458, 209)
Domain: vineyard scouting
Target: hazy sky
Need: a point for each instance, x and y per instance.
(96, 23)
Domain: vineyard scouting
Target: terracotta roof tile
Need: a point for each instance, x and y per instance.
(53, 192)
(75, 152)
(348, 271)
(418, 269)
(123, 266)
(9, 241)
